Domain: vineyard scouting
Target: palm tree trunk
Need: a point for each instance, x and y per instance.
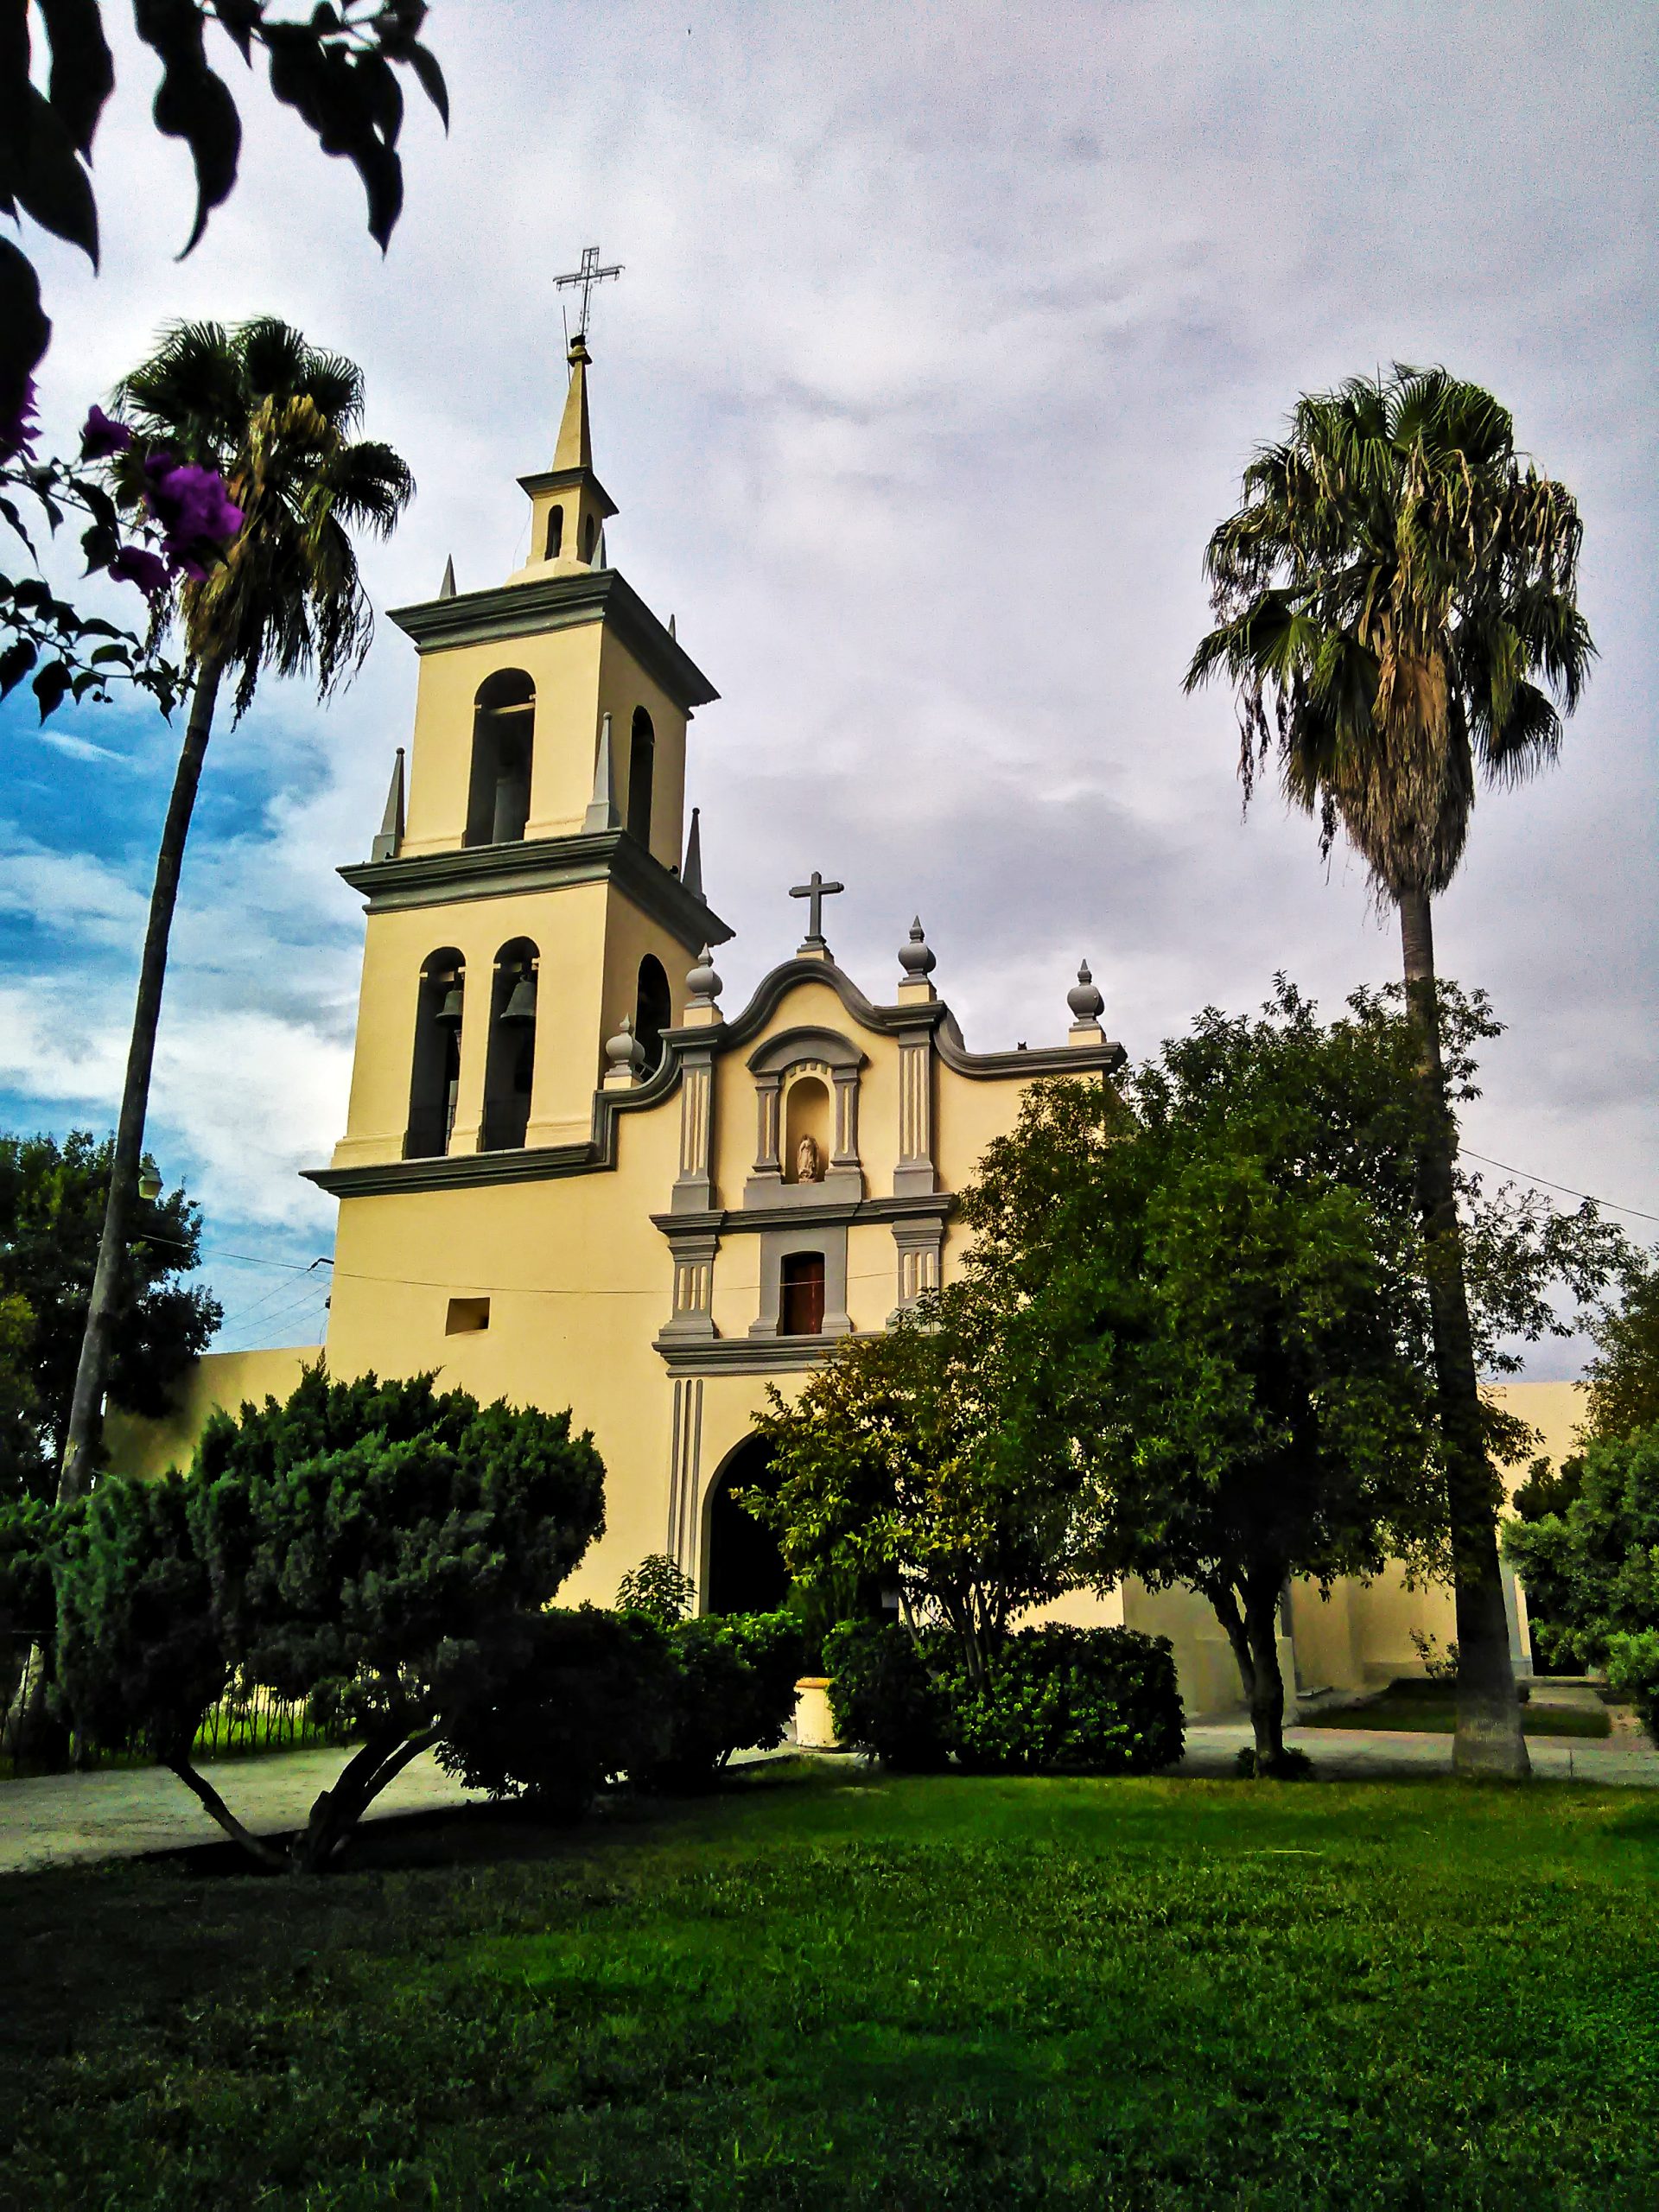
(86, 1407)
(1488, 1740)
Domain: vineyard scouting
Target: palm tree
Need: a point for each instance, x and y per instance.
(1396, 602)
(275, 417)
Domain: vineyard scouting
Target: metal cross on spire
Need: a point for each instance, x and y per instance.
(587, 276)
(816, 890)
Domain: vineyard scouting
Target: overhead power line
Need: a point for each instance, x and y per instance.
(1566, 1190)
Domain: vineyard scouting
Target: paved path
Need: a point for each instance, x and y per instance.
(53, 1820)
(1360, 1754)
(56, 1819)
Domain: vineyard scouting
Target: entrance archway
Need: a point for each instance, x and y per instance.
(743, 1569)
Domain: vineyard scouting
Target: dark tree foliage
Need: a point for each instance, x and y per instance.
(52, 1199)
(367, 1547)
(571, 1701)
(336, 67)
(139, 1658)
(1594, 1568)
(1623, 1377)
(1214, 1303)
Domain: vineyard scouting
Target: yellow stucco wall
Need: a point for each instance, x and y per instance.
(221, 1380)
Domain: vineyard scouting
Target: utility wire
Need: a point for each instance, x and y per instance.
(1566, 1189)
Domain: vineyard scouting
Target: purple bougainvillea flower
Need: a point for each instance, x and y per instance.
(191, 504)
(134, 564)
(103, 435)
(18, 430)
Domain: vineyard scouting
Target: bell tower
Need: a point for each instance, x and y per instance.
(527, 891)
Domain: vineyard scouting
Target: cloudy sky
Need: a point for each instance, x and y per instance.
(945, 334)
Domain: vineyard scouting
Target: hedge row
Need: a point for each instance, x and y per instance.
(1055, 1700)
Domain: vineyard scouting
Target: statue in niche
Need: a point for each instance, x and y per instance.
(809, 1160)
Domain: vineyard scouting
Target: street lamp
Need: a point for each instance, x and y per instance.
(150, 1183)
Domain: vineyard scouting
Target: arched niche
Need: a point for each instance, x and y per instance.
(504, 720)
(653, 1010)
(806, 1114)
(509, 1063)
(435, 1068)
(642, 772)
(743, 1569)
(805, 1083)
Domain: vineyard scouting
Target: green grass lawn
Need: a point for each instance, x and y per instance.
(1421, 1707)
(823, 1990)
(1398, 1708)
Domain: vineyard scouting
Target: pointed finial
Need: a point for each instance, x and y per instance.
(672, 631)
(624, 1054)
(691, 874)
(918, 957)
(1087, 1006)
(601, 807)
(386, 845)
(701, 981)
(447, 588)
(574, 448)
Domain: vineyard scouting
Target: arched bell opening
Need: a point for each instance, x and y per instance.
(806, 1130)
(743, 1569)
(510, 1064)
(642, 769)
(653, 1011)
(434, 1074)
(504, 720)
(555, 532)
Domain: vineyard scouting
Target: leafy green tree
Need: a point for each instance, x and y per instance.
(1214, 1306)
(1623, 1377)
(366, 1548)
(1596, 1567)
(1397, 608)
(892, 1465)
(53, 1194)
(274, 419)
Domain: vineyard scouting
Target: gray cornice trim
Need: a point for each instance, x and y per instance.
(809, 1041)
(751, 1355)
(475, 617)
(541, 864)
(468, 1171)
(896, 1020)
(934, 1206)
(556, 479)
(1047, 1059)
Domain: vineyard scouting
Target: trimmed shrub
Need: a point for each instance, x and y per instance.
(1059, 1699)
(883, 1698)
(731, 1688)
(1633, 1672)
(576, 1698)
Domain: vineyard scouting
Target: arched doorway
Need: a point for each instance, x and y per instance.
(743, 1569)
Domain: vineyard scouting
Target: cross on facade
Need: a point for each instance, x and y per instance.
(816, 890)
(587, 276)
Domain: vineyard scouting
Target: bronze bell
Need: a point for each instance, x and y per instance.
(450, 1006)
(521, 1001)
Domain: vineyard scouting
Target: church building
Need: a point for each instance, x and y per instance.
(571, 1175)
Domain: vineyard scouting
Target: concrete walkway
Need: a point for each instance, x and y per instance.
(1406, 1755)
(54, 1820)
(60, 1819)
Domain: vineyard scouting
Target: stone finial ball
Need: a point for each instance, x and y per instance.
(701, 981)
(1084, 998)
(624, 1050)
(918, 957)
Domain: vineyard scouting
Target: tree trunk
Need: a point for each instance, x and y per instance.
(1252, 1632)
(85, 1407)
(1488, 1740)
